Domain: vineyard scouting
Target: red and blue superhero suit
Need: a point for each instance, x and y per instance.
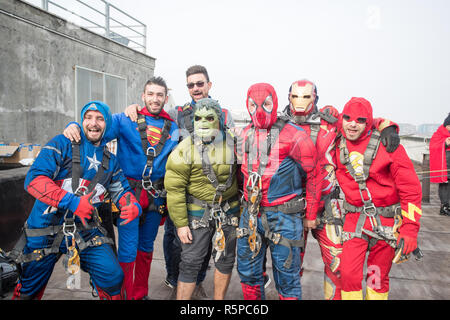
(279, 173)
(133, 160)
(49, 180)
(390, 183)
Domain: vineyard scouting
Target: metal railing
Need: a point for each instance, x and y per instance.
(101, 17)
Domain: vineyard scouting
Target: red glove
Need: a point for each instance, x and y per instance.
(130, 210)
(85, 208)
(409, 243)
(332, 111)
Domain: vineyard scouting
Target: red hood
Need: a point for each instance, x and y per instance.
(355, 108)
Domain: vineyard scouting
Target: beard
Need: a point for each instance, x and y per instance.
(153, 112)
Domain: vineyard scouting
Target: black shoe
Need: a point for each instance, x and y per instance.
(445, 210)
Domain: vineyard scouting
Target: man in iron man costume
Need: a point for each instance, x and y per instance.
(279, 161)
(382, 203)
(321, 127)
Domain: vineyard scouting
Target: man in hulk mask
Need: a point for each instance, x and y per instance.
(202, 198)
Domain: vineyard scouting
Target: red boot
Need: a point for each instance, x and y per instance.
(102, 295)
(128, 272)
(252, 292)
(141, 274)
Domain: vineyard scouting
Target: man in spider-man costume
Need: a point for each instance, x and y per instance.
(278, 157)
(64, 207)
(321, 127)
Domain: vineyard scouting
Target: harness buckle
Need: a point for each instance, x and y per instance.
(81, 190)
(147, 185)
(370, 210)
(151, 149)
(71, 226)
(253, 179)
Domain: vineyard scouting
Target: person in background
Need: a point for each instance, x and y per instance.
(440, 164)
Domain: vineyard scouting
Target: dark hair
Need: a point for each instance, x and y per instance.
(447, 120)
(197, 69)
(158, 81)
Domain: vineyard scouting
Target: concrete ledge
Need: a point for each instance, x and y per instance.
(15, 205)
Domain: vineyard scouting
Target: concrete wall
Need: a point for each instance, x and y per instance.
(38, 53)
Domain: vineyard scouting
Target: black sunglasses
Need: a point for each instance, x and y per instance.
(199, 84)
(360, 120)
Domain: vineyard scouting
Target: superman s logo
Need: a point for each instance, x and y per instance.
(153, 135)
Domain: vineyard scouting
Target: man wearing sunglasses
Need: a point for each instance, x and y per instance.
(382, 203)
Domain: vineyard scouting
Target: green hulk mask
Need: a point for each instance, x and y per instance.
(206, 119)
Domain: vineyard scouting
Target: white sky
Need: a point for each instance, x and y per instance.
(395, 53)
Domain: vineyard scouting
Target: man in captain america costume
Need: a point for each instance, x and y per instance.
(321, 127)
(277, 157)
(64, 199)
(142, 153)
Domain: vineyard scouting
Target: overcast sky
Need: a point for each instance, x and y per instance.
(395, 53)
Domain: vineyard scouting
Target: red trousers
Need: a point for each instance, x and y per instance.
(379, 262)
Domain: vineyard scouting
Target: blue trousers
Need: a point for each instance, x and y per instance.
(100, 262)
(287, 279)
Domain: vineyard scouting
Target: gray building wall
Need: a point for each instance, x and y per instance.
(38, 55)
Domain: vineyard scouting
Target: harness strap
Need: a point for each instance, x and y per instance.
(77, 171)
(208, 169)
(208, 208)
(277, 238)
(296, 205)
(315, 128)
(151, 153)
(387, 212)
(188, 113)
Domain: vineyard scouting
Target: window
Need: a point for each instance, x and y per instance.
(95, 85)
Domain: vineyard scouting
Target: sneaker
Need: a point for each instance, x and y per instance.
(168, 284)
(445, 210)
(267, 280)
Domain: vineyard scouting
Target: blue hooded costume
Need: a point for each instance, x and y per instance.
(49, 180)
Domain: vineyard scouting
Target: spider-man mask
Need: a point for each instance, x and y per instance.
(262, 105)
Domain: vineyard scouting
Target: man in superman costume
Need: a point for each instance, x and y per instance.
(321, 127)
(143, 149)
(382, 203)
(68, 181)
(278, 157)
